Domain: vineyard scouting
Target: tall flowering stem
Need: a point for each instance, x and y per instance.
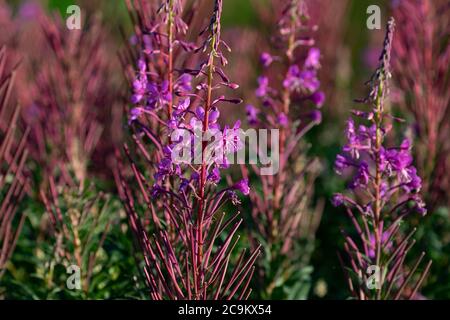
(156, 43)
(13, 154)
(292, 17)
(386, 191)
(214, 46)
(189, 252)
(282, 210)
(421, 56)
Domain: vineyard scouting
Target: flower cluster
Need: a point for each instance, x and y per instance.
(157, 42)
(156, 90)
(386, 188)
(149, 94)
(395, 164)
(300, 82)
(199, 120)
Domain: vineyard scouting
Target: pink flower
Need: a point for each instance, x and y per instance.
(266, 59)
(312, 61)
(243, 186)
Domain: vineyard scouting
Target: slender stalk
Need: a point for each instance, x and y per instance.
(286, 105)
(170, 33)
(377, 209)
(205, 127)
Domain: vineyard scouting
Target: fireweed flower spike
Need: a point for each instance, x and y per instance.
(155, 88)
(156, 82)
(330, 16)
(282, 212)
(188, 250)
(12, 159)
(385, 190)
(145, 62)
